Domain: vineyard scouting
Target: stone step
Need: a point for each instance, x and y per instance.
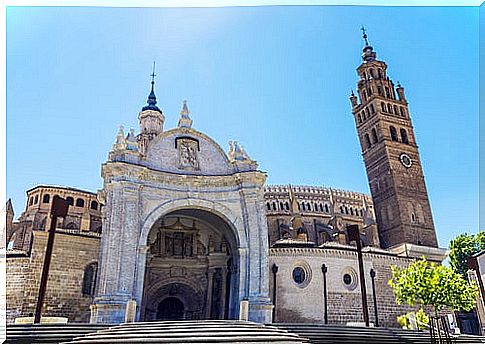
(204, 331)
(48, 333)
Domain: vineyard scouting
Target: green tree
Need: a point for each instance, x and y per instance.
(464, 246)
(425, 283)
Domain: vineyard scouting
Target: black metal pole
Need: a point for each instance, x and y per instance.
(58, 209)
(373, 276)
(325, 310)
(354, 235)
(274, 269)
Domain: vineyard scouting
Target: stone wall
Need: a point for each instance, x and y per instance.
(64, 297)
(304, 303)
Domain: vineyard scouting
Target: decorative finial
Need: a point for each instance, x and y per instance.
(352, 93)
(185, 121)
(399, 85)
(364, 35)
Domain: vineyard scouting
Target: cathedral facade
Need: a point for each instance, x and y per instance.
(183, 230)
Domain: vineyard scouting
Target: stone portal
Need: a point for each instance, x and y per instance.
(190, 268)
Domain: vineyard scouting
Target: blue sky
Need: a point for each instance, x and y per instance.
(275, 78)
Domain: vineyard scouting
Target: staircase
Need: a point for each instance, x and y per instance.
(201, 331)
(331, 334)
(48, 333)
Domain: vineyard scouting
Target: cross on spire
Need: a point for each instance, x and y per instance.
(364, 35)
(153, 75)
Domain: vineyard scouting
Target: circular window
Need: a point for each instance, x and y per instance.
(349, 278)
(301, 274)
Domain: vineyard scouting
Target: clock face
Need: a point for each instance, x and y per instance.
(405, 160)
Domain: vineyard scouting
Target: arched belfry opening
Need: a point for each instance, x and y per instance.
(191, 268)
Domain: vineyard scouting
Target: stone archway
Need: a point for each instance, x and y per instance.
(192, 257)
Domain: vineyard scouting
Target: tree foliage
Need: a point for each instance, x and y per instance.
(425, 283)
(464, 246)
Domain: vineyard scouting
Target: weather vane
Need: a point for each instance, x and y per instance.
(364, 34)
(153, 75)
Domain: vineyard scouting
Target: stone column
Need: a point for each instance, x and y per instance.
(223, 292)
(208, 305)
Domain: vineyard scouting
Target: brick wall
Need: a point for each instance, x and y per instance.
(64, 298)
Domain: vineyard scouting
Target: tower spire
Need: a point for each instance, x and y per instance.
(364, 35)
(368, 53)
(152, 99)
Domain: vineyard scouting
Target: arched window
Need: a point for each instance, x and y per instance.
(46, 198)
(274, 205)
(80, 202)
(369, 91)
(389, 108)
(341, 209)
(393, 133)
(363, 115)
(379, 90)
(372, 109)
(287, 206)
(89, 279)
(282, 206)
(372, 73)
(268, 206)
(31, 201)
(395, 110)
(383, 107)
(36, 199)
(321, 207)
(404, 136)
(303, 206)
(308, 207)
(379, 73)
(72, 226)
(326, 208)
(70, 200)
(94, 205)
(346, 210)
(374, 135)
(364, 94)
(315, 206)
(388, 92)
(403, 114)
(351, 211)
(367, 141)
(360, 118)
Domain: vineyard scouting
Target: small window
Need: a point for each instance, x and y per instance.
(46, 198)
(404, 136)
(321, 207)
(287, 206)
(371, 73)
(379, 73)
(274, 206)
(395, 110)
(36, 199)
(94, 205)
(389, 108)
(303, 206)
(374, 135)
(351, 211)
(281, 206)
(326, 208)
(341, 209)
(70, 200)
(89, 279)
(80, 202)
(393, 133)
(31, 201)
(369, 91)
(268, 206)
(379, 90)
(364, 94)
(360, 118)
(383, 107)
(363, 115)
(346, 210)
(299, 275)
(367, 141)
(347, 279)
(372, 109)
(403, 114)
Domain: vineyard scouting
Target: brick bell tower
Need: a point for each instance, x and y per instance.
(391, 156)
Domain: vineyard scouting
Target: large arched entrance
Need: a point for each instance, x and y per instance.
(190, 268)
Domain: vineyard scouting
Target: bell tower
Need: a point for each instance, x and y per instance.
(391, 156)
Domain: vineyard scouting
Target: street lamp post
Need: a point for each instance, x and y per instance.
(274, 269)
(354, 235)
(58, 209)
(373, 276)
(325, 312)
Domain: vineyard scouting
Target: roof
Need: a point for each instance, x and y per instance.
(479, 254)
(61, 188)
